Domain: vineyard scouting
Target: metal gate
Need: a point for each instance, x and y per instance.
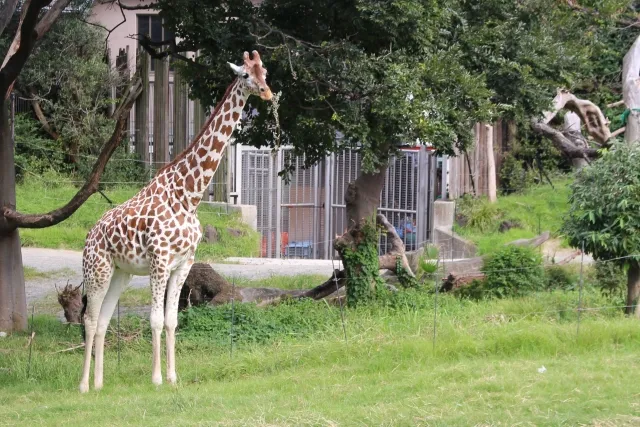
(301, 218)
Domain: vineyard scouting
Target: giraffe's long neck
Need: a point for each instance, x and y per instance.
(193, 170)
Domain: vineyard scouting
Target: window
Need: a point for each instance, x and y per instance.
(151, 25)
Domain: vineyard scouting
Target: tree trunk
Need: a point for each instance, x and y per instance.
(13, 303)
(633, 289)
(358, 247)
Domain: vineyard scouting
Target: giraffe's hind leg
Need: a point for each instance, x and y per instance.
(119, 281)
(174, 287)
(97, 278)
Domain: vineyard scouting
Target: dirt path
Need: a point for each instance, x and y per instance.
(52, 260)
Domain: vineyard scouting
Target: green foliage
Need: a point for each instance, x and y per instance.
(513, 271)
(560, 278)
(513, 177)
(377, 71)
(361, 266)
(428, 263)
(254, 325)
(604, 211)
(34, 153)
(69, 78)
(538, 208)
(480, 214)
(610, 278)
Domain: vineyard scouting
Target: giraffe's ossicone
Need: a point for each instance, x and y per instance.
(157, 231)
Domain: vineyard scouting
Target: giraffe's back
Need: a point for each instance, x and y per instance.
(149, 224)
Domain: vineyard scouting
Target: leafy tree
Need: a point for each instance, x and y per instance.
(32, 21)
(604, 213)
(69, 82)
(373, 75)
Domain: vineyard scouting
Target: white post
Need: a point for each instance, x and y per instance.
(491, 165)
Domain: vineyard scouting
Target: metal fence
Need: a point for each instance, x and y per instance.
(301, 217)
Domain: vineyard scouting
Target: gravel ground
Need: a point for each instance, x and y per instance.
(247, 268)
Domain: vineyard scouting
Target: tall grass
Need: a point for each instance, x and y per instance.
(291, 366)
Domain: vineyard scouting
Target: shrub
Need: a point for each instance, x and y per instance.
(479, 213)
(512, 175)
(513, 271)
(562, 278)
(610, 278)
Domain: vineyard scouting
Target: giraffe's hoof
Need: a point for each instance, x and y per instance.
(157, 380)
(84, 387)
(97, 386)
(172, 379)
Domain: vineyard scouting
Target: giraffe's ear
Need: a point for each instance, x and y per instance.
(236, 68)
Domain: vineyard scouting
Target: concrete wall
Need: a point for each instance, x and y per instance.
(451, 245)
(248, 213)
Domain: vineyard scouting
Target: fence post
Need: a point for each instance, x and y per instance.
(161, 112)
(142, 110)
(580, 291)
(179, 115)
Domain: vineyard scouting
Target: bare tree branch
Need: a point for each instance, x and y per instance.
(41, 117)
(388, 261)
(21, 46)
(6, 12)
(561, 142)
(15, 219)
(50, 17)
(590, 114)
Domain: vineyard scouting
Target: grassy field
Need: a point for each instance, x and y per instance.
(283, 371)
(42, 195)
(538, 209)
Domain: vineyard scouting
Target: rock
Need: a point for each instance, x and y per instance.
(533, 242)
(3, 334)
(461, 220)
(508, 225)
(210, 234)
(235, 232)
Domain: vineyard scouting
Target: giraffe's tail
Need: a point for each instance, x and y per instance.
(84, 308)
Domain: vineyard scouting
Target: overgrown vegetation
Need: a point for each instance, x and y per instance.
(485, 350)
(538, 209)
(49, 191)
(604, 212)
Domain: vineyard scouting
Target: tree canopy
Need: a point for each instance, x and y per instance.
(383, 73)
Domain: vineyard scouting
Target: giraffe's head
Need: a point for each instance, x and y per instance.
(254, 75)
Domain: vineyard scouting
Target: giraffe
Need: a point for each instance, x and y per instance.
(157, 231)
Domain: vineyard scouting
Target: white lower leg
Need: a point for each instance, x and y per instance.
(99, 358)
(156, 374)
(86, 370)
(171, 354)
(156, 320)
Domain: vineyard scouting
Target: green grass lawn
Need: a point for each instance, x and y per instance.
(483, 371)
(36, 196)
(540, 208)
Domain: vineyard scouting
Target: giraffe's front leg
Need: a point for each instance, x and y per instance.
(171, 315)
(159, 273)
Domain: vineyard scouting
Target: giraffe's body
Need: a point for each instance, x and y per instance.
(157, 231)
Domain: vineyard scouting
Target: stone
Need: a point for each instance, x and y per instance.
(210, 234)
(235, 232)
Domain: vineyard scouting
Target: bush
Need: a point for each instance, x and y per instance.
(479, 213)
(513, 177)
(562, 278)
(122, 169)
(610, 278)
(513, 271)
